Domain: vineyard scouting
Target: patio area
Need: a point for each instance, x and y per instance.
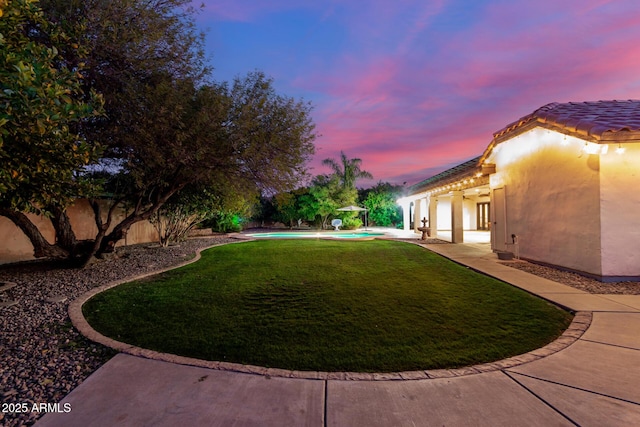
(470, 236)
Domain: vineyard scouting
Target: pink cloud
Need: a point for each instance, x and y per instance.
(394, 125)
(410, 98)
(562, 60)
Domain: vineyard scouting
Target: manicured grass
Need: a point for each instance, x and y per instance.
(371, 306)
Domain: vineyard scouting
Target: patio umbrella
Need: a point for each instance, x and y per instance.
(353, 208)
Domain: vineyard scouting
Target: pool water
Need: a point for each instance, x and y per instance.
(317, 235)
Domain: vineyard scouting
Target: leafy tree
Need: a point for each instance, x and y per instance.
(273, 134)
(287, 210)
(348, 170)
(244, 137)
(232, 209)
(324, 197)
(143, 54)
(265, 210)
(380, 200)
(166, 127)
(317, 206)
(114, 46)
(127, 42)
(42, 149)
(231, 214)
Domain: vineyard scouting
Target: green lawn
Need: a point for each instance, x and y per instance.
(370, 306)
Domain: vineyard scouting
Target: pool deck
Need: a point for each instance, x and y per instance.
(592, 382)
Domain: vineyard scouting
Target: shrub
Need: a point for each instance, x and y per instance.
(351, 223)
(224, 222)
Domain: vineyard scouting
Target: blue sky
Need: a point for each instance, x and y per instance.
(413, 87)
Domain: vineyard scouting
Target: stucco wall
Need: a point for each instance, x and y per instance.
(468, 214)
(469, 211)
(552, 198)
(620, 211)
(15, 246)
(444, 213)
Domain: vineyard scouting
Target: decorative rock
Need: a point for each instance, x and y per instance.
(577, 281)
(56, 298)
(503, 255)
(7, 285)
(7, 303)
(43, 358)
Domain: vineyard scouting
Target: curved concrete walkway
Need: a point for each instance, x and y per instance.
(593, 382)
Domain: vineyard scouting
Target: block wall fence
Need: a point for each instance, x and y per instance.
(15, 246)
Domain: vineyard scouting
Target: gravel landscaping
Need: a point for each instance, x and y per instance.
(43, 356)
(577, 281)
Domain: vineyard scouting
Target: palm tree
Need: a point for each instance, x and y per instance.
(348, 170)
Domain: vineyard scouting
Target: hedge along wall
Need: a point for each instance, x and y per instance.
(15, 246)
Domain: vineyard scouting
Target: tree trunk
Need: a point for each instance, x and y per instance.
(92, 250)
(41, 247)
(109, 241)
(65, 237)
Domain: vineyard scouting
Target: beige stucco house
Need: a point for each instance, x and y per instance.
(559, 186)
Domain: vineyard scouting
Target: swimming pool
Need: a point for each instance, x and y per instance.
(318, 235)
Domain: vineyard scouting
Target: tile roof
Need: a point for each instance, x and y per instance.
(598, 121)
(595, 121)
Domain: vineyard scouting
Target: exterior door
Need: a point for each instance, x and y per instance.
(483, 216)
(499, 218)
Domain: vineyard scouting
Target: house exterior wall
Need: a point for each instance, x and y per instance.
(469, 220)
(552, 194)
(620, 211)
(471, 211)
(444, 213)
(17, 247)
(468, 214)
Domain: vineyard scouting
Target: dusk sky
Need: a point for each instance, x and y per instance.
(414, 87)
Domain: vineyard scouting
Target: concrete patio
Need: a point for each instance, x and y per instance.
(592, 382)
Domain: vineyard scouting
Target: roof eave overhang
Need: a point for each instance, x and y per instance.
(462, 182)
(607, 137)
